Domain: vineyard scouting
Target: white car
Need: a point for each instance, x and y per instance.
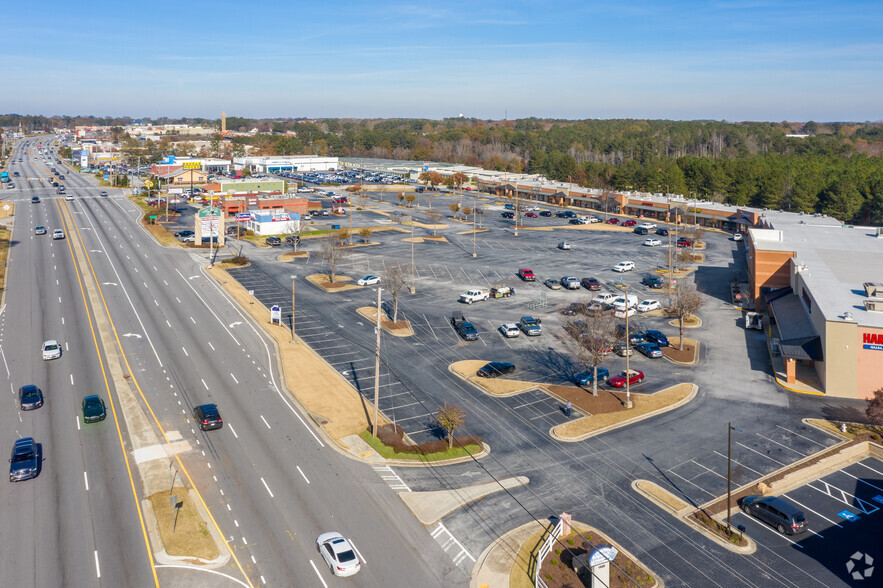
(338, 553)
(51, 349)
(68, 197)
(737, 236)
(621, 312)
(651, 242)
(509, 330)
(58, 234)
(648, 305)
(604, 298)
(624, 266)
(593, 219)
(647, 226)
(563, 245)
(369, 281)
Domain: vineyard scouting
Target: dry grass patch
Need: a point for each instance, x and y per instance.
(470, 231)
(294, 255)
(689, 354)
(191, 537)
(644, 404)
(7, 213)
(162, 235)
(397, 329)
(662, 495)
(5, 236)
(338, 285)
(430, 226)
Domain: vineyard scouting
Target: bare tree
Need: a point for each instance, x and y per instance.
(450, 418)
(401, 197)
(436, 218)
(874, 411)
(365, 233)
(479, 213)
(685, 302)
(395, 279)
(294, 228)
(331, 253)
(454, 208)
(410, 198)
(466, 211)
(590, 338)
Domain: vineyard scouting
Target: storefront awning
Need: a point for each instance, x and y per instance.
(805, 348)
(798, 337)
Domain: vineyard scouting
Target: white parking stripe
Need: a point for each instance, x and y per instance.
(861, 480)
(791, 498)
(760, 454)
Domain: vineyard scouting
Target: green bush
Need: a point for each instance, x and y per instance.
(554, 562)
(550, 577)
(570, 541)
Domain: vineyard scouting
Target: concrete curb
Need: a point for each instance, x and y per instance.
(695, 360)
(386, 329)
(430, 507)
(625, 423)
(469, 380)
(162, 557)
(685, 515)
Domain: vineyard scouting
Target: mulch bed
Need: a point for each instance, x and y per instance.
(686, 355)
(561, 574)
(394, 326)
(333, 285)
(605, 402)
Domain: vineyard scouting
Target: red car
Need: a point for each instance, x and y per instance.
(531, 214)
(684, 242)
(612, 221)
(527, 275)
(618, 381)
(629, 223)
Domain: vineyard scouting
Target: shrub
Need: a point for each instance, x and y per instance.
(554, 562)
(550, 577)
(239, 260)
(570, 541)
(393, 436)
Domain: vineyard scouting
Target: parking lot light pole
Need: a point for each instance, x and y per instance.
(628, 352)
(413, 285)
(293, 278)
(730, 429)
(474, 254)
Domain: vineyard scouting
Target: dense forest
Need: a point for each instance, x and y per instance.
(837, 168)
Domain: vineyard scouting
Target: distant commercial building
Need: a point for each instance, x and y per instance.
(285, 163)
(184, 176)
(822, 282)
(273, 223)
(273, 201)
(210, 165)
(231, 186)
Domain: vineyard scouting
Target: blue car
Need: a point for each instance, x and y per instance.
(651, 350)
(585, 378)
(654, 336)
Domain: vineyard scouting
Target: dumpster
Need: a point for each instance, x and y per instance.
(335, 227)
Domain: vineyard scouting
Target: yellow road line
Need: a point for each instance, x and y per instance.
(66, 223)
(150, 409)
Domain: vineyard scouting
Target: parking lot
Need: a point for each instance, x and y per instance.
(843, 511)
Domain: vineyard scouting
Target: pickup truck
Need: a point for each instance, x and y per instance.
(531, 326)
(604, 298)
(527, 275)
(502, 292)
(464, 328)
(470, 296)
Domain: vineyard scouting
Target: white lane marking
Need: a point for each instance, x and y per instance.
(207, 305)
(234, 378)
(170, 324)
(178, 299)
(78, 423)
(203, 383)
(302, 474)
(318, 574)
(72, 379)
(86, 479)
(233, 431)
(156, 303)
(192, 321)
(164, 282)
(6, 365)
(210, 345)
(268, 489)
(97, 567)
(190, 568)
(185, 352)
(62, 320)
(235, 522)
(229, 507)
(265, 422)
(154, 269)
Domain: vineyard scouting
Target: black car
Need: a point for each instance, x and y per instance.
(208, 417)
(546, 213)
(662, 231)
(23, 462)
(507, 214)
(495, 369)
(652, 281)
(658, 337)
(30, 397)
(93, 409)
(181, 234)
(273, 241)
(636, 336)
(35, 199)
(575, 308)
(293, 239)
(641, 231)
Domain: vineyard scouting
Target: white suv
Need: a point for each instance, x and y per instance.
(624, 266)
(58, 234)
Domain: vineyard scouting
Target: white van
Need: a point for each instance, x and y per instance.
(619, 302)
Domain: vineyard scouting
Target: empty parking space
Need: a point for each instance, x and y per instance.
(539, 409)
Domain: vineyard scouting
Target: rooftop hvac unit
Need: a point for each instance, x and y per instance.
(875, 304)
(873, 289)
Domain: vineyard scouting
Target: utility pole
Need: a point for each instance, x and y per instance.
(376, 369)
(628, 352)
(672, 229)
(474, 254)
(516, 208)
(413, 284)
(293, 278)
(730, 429)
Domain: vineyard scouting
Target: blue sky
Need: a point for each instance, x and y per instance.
(730, 60)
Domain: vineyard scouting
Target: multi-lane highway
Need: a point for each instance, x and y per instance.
(118, 302)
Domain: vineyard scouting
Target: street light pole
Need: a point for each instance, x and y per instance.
(474, 254)
(628, 352)
(730, 429)
(413, 284)
(293, 278)
(376, 370)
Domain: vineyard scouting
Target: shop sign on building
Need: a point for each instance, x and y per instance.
(873, 341)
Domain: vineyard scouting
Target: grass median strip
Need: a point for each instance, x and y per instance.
(388, 452)
(190, 536)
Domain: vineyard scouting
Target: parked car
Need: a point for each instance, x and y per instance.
(575, 308)
(652, 281)
(651, 242)
(531, 326)
(94, 410)
(737, 236)
(294, 239)
(546, 213)
(553, 284)
(208, 417)
(369, 281)
(648, 305)
(51, 349)
(496, 369)
(527, 274)
(587, 377)
(564, 245)
(273, 241)
(612, 221)
(647, 225)
(783, 516)
(662, 231)
(634, 377)
(530, 214)
(30, 397)
(507, 214)
(622, 312)
(39, 230)
(339, 554)
(23, 463)
(684, 242)
(641, 231)
(592, 284)
(185, 233)
(510, 330)
(650, 350)
(570, 282)
(623, 349)
(654, 336)
(509, 206)
(464, 328)
(624, 266)
(629, 223)
(604, 298)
